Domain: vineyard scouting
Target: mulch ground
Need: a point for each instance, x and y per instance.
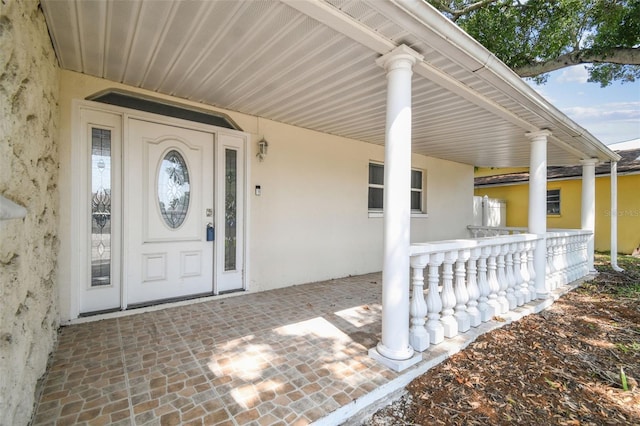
(560, 367)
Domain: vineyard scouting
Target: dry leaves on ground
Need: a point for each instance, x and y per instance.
(561, 367)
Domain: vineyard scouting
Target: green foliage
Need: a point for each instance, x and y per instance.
(537, 36)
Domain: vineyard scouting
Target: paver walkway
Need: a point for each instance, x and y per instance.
(281, 357)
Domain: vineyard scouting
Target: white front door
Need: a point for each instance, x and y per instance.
(169, 203)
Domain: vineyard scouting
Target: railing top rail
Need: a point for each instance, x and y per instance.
(552, 233)
(499, 228)
(462, 244)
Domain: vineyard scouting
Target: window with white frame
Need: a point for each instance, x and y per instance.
(553, 202)
(376, 188)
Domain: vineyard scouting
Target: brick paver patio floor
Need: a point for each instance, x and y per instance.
(281, 357)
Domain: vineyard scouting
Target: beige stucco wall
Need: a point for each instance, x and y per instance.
(28, 176)
(311, 221)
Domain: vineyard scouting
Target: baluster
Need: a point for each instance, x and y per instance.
(448, 296)
(585, 254)
(576, 258)
(561, 261)
(510, 277)
(531, 247)
(487, 311)
(460, 291)
(434, 302)
(472, 287)
(571, 257)
(549, 265)
(524, 271)
(517, 275)
(492, 278)
(502, 280)
(418, 336)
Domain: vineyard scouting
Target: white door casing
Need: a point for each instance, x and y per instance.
(149, 260)
(162, 262)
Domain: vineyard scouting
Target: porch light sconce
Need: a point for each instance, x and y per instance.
(263, 145)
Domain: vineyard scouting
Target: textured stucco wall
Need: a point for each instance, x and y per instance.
(28, 176)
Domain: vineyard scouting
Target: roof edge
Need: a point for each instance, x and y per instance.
(446, 29)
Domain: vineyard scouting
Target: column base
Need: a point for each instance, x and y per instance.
(394, 364)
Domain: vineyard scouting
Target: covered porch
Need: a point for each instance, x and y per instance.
(290, 356)
(395, 74)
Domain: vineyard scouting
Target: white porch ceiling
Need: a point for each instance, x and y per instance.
(312, 64)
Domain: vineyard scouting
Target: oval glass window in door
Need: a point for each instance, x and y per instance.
(173, 189)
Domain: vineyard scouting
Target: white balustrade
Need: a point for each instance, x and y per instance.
(471, 281)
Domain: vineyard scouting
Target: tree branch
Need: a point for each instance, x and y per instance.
(617, 55)
(457, 13)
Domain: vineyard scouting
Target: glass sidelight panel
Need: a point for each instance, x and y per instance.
(230, 207)
(100, 207)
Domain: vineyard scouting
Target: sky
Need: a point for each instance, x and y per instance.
(611, 114)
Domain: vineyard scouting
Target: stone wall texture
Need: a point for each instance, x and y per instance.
(28, 176)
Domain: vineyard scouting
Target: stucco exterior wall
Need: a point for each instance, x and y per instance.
(517, 197)
(310, 222)
(28, 176)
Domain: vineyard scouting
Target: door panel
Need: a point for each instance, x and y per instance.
(168, 189)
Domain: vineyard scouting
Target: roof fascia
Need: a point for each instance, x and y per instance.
(503, 76)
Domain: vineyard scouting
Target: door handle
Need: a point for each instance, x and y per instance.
(211, 234)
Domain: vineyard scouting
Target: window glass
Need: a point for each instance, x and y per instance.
(100, 207)
(230, 207)
(376, 188)
(376, 174)
(553, 201)
(416, 179)
(173, 189)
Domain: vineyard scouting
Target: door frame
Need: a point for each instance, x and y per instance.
(79, 211)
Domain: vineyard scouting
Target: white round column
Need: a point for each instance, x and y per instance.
(394, 345)
(588, 206)
(538, 206)
(614, 217)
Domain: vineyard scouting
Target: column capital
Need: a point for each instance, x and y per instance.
(544, 133)
(590, 161)
(400, 57)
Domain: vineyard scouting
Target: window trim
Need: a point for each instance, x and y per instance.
(379, 213)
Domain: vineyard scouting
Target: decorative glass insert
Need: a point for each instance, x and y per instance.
(173, 189)
(100, 207)
(230, 209)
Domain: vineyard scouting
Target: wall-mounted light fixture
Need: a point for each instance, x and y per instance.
(263, 145)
